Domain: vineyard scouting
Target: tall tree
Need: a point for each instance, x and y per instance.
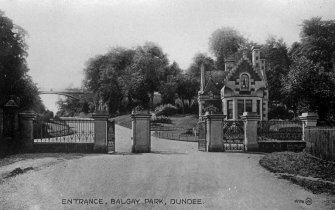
(151, 62)
(317, 42)
(225, 42)
(276, 53)
(198, 60)
(14, 78)
(309, 88)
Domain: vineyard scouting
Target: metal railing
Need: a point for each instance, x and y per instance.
(233, 135)
(280, 131)
(64, 131)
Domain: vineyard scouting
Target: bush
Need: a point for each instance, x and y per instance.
(161, 119)
(166, 110)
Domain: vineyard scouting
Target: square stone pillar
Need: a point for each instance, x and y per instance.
(141, 132)
(250, 131)
(26, 125)
(309, 119)
(214, 133)
(100, 132)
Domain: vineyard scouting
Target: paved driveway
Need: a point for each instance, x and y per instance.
(174, 176)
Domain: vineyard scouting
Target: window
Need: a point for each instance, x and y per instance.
(240, 108)
(230, 109)
(244, 82)
(256, 58)
(248, 105)
(257, 65)
(258, 107)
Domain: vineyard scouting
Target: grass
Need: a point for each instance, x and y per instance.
(185, 123)
(302, 169)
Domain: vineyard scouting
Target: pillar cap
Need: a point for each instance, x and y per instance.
(214, 116)
(140, 114)
(309, 116)
(100, 115)
(250, 116)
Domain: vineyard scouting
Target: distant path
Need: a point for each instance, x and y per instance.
(174, 170)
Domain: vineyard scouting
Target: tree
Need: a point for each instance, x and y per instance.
(199, 59)
(308, 87)
(317, 42)
(187, 88)
(14, 78)
(151, 62)
(71, 106)
(110, 77)
(277, 66)
(225, 42)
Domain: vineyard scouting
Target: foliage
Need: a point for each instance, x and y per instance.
(168, 92)
(277, 66)
(14, 78)
(161, 119)
(70, 107)
(198, 60)
(124, 78)
(309, 87)
(166, 110)
(225, 42)
(151, 63)
(317, 42)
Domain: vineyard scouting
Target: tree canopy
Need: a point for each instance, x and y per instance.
(14, 78)
(224, 42)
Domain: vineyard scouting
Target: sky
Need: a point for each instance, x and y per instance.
(64, 34)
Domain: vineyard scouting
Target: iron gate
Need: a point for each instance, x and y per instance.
(64, 135)
(233, 135)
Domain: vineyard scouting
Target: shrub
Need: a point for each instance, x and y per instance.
(166, 110)
(161, 119)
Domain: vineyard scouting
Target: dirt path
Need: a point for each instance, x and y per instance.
(174, 171)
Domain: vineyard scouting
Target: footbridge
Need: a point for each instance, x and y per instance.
(72, 93)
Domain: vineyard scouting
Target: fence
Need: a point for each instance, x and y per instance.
(66, 135)
(320, 142)
(64, 131)
(279, 131)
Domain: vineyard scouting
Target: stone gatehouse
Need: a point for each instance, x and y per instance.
(240, 87)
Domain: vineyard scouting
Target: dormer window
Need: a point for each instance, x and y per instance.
(244, 82)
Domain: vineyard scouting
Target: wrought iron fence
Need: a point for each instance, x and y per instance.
(64, 131)
(233, 135)
(280, 131)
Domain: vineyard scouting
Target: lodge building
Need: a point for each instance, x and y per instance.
(240, 87)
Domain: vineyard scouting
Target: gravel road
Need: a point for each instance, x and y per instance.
(174, 176)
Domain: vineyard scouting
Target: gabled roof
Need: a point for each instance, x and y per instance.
(244, 66)
(217, 78)
(211, 87)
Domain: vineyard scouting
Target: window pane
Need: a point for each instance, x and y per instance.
(240, 108)
(248, 105)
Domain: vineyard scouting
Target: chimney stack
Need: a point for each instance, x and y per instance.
(202, 77)
(256, 56)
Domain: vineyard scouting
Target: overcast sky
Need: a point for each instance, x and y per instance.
(64, 34)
